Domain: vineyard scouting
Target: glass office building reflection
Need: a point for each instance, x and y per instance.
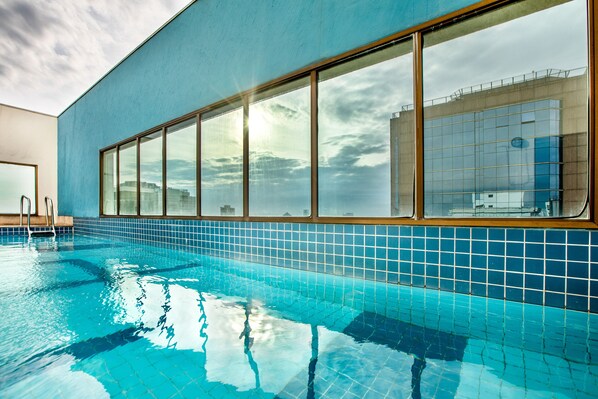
(513, 148)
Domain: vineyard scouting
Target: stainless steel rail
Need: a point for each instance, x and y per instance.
(48, 217)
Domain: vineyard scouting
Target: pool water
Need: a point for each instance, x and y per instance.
(92, 318)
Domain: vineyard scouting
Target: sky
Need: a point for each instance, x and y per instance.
(52, 51)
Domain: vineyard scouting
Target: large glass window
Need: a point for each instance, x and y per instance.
(505, 113)
(109, 180)
(17, 180)
(222, 161)
(279, 151)
(181, 169)
(150, 174)
(365, 144)
(127, 173)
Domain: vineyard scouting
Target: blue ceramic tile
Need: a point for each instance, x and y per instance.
(514, 280)
(462, 246)
(462, 287)
(534, 235)
(576, 286)
(447, 272)
(576, 302)
(514, 234)
(576, 269)
(447, 232)
(532, 296)
(479, 261)
(447, 258)
(479, 233)
(479, 247)
(555, 268)
(555, 251)
(463, 232)
(496, 248)
(432, 257)
(534, 250)
(534, 281)
(447, 245)
(556, 236)
(556, 284)
(495, 277)
(447, 285)
(462, 273)
(514, 249)
(495, 291)
(478, 289)
(432, 244)
(554, 299)
(478, 275)
(496, 234)
(577, 253)
(418, 269)
(534, 266)
(417, 281)
(581, 237)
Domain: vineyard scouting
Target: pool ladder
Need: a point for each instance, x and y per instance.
(49, 217)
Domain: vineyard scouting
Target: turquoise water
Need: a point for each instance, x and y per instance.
(92, 318)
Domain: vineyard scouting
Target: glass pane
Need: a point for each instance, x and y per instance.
(181, 169)
(505, 112)
(15, 181)
(222, 162)
(365, 143)
(150, 174)
(279, 151)
(128, 178)
(109, 182)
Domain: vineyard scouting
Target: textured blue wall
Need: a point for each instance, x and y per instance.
(211, 51)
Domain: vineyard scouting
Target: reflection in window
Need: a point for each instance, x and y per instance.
(150, 174)
(181, 169)
(15, 181)
(127, 159)
(279, 151)
(222, 162)
(505, 131)
(109, 180)
(358, 115)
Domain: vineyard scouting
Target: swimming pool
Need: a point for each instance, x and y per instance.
(93, 318)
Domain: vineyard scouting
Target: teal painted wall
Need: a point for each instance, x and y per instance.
(211, 51)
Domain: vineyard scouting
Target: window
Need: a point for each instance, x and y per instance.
(279, 151)
(505, 132)
(127, 175)
(17, 180)
(504, 99)
(109, 179)
(181, 169)
(150, 174)
(365, 146)
(222, 161)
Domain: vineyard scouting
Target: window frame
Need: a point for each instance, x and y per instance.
(416, 35)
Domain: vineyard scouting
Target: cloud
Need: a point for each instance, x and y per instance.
(51, 52)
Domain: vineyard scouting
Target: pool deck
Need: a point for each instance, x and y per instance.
(36, 221)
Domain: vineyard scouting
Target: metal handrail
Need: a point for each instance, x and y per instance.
(46, 199)
(48, 218)
(24, 197)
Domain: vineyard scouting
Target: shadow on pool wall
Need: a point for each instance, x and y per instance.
(550, 267)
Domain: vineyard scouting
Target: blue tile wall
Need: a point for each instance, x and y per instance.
(556, 268)
(22, 231)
